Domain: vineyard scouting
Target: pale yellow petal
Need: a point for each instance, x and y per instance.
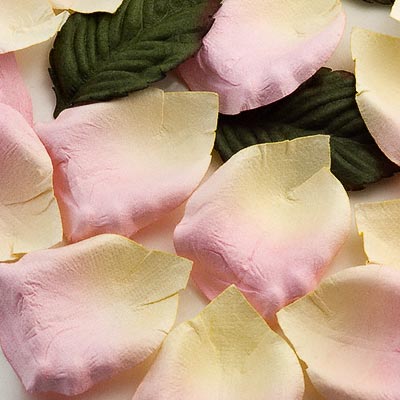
(396, 10)
(87, 6)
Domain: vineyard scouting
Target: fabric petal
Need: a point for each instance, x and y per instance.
(29, 215)
(379, 225)
(258, 51)
(87, 6)
(377, 65)
(226, 353)
(75, 315)
(25, 23)
(270, 220)
(13, 91)
(347, 334)
(121, 165)
(396, 10)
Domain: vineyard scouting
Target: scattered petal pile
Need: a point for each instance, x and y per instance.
(270, 221)
(121, 165)
(260, 51)
(226, 353)
(347, 334)
(379, 224)
(87, 6)
(76, 315)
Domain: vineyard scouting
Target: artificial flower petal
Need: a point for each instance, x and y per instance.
(347, 334)
(29, 215)
(379, 224)
(75, 315)
(87, 6)
(120, 165)
(377, 65)
(258, 51)
(13, 91)
(226, 353)
(270, 220)
(396, 10)
(25, 23)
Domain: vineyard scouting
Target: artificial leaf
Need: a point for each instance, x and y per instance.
(75, 315)
(270, 221)
(385, 2)
(227, 352)
(324, 104)
(101, 56)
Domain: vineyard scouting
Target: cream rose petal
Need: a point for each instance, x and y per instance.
(396, 10)
(270, 221)
(29, 215)
(75, 315)
(259, 51)
(377, 59)
(13, 91)
(87, 6)
(347, 334)
(120, 165)
(379, 224)
(226, 353)
(24, 23)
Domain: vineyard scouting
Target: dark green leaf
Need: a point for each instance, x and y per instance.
(101, 56)
(385, 2)
(325, 104)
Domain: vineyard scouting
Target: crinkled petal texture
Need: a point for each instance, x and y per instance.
(29, 215)
(259, 51)
(76, 315)
(396, 10)
(377, 58)
(120, 165)
(347, 333)
(270, 220)
(13, 91)
(379, 224)
(226, 353)
(87, 6)
(24, 23)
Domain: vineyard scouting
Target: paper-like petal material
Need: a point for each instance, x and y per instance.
(377, 59)
(270, 221)
(120, 165)
(87, 6)
(259, 51)
(13, 91)
(29, 215)
(24, 23)
(347, 334)
(396, 10)
(75, 315)
(379, 224)
(226, 353)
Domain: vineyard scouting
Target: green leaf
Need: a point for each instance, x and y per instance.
(98, 57)
(385, 2)
(325, 104)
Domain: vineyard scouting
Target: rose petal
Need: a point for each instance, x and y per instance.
(13, 91)
(270, 220)
(76, 315)
(260, 51)
(377, 65)
(25, 23)
(120, 165)
(29, 215)
(347, 333)
(379, 224)
(396, 10)
(226, 352)
(87, 6)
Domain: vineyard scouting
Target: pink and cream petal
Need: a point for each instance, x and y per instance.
(379, 225)
(270, 221)
(377, 58)
(87, 6)
(29, 215)
(121, 165)
(24, 23)
(73, 316)
(13, 91)
(259, 51)
(226, 353)
(347, 334)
